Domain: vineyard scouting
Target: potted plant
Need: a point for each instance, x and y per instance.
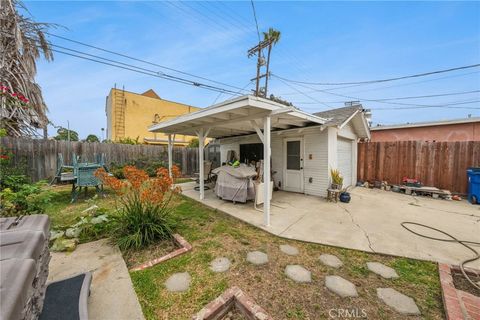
(337, 179)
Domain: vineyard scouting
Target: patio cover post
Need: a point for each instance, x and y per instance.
(201, 144)
(170, 155)
(266, 169)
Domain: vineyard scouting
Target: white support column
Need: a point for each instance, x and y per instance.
(201, 145)
(170, 155)
(266, 169)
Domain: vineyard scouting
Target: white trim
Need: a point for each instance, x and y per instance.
(348, 119)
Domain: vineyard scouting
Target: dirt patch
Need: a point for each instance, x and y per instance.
(461, 283)
(157, 250)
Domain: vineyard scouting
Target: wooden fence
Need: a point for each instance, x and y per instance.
(439, 164)
(39, 157)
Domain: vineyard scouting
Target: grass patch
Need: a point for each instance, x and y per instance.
(214, 234)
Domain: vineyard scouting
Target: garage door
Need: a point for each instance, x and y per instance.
(344, 154)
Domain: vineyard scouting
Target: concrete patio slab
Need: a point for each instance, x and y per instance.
(112, 294)
(370, 222)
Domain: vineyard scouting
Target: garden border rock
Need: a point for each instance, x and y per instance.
(231, 298)
(179, 240)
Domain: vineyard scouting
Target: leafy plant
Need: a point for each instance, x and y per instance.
(336, 177)
(149, 165)
(144, 214)
(193, 143)
(128, 140)
(92, 138)
(63, 134)
(26, 199)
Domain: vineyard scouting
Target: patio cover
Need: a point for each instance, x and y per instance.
(236, 117)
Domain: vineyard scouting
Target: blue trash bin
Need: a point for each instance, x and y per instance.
(473, 175)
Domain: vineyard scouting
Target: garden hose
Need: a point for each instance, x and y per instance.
(464, 243)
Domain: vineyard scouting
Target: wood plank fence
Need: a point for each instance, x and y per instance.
(438, 164)
(39, 157)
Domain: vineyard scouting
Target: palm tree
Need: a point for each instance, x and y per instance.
(22, 42)
(272, 36)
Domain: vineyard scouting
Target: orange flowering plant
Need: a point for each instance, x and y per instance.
(144, 214)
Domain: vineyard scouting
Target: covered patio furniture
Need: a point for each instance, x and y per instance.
(235, 184)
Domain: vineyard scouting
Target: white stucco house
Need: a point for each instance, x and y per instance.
(302, 147)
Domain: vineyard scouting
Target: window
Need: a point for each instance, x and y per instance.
(293, 155)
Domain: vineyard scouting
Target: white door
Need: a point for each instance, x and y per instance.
(344, 157)
(293, 164)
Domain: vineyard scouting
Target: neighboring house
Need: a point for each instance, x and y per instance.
(130, 114)
(304, 147)
(467, 129)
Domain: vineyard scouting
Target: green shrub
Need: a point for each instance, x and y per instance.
(140, 224)
(144, 215)
(150, 166)
(25, 199)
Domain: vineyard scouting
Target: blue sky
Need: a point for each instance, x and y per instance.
(321, 42)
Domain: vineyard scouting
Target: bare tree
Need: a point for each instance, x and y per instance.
(22, 42)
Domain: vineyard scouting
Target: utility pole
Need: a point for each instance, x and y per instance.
(257, 50)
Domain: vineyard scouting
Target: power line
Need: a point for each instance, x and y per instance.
(386, 87)
(448, 106)
(149, 72)
(256, 21)
(406, 98)
(382, 80)
(353, 98)
(304, 94)
(141, 60)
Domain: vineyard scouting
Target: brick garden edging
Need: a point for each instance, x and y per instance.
(232, 297)
(459, 305)
(184, 247)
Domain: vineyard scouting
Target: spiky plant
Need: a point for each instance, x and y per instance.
(22, 43)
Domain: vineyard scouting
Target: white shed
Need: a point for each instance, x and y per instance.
(303, 155)
(302, 147)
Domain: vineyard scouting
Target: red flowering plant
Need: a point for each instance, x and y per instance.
(13, 97)
(144, 211)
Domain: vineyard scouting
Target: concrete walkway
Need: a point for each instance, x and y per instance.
(370, 222)
(112, 294)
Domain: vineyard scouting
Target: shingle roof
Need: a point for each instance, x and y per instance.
(338, 116)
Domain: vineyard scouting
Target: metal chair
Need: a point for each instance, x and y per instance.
(59, 174)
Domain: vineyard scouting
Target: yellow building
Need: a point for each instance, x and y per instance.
(130, 114)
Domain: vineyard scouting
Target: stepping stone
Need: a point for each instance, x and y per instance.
(382, 270)
(257, 257)
(288, 249)
(178, 282)
(331, 261)
(220, 264)
(298, 273)
(340, 286)
(398, 301)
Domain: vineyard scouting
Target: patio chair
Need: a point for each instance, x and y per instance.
(85, 178)
(207, 172)
(59, 174)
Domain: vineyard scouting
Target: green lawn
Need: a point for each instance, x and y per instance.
(215, 234)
